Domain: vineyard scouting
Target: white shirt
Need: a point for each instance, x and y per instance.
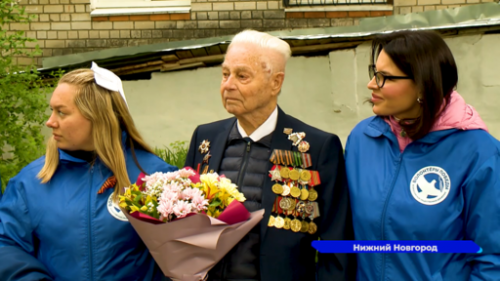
(263, 130)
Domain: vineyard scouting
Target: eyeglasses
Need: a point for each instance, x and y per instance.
(380, 78)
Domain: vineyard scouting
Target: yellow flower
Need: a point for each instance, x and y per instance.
(133, 209)
(123, 205)
(144, 208)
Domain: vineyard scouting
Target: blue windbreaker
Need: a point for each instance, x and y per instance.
(445, 186)
(65, 230)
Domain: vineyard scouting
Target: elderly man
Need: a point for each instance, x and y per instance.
(292, 170)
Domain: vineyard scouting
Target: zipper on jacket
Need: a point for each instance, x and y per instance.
(244, 164)
(91, 268)
(385, 209)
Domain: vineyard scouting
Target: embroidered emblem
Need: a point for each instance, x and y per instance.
(430, 185)
(114, 210)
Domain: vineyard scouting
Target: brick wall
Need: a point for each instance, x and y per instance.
(415, 6)
(65, 26)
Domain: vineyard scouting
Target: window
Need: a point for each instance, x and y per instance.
(137, 7)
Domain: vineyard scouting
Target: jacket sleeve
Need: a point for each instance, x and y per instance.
(192, 151)
(336, 217)
(16, 238)
(482, 208)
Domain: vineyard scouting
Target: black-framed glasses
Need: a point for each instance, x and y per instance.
(380, 78)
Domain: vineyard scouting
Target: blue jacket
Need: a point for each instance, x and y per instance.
(445, 186)
(65, 230)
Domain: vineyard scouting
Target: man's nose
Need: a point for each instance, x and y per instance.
(229, 83)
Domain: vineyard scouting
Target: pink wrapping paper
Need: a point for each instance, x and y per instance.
(186, 249)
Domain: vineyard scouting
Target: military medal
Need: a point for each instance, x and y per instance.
(287, 131)
(313, 195)
(277, 188)
(275, 174)
(296, 138)
(295, 225)
(279, 222)
(304, 194)
(305, 175)
(304, 146)
(312, 228)
(206, 158)
(292, 204)
(300, 207)
(294, 175)
(204, 146)
(287, 223)
(286, 190)
(285, 203)
(304, 226)
(285, 172)
(271, 221)
(295, 191)
(309, 208)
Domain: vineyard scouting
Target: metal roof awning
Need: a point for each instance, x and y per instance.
(171, 56)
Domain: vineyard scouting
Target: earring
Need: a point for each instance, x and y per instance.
(419, 101)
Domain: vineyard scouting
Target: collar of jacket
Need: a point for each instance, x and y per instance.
(63, 156)
(377, 127)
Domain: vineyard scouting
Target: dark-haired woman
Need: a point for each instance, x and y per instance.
(425, 167)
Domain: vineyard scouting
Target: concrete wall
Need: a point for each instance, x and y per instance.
(327, 92)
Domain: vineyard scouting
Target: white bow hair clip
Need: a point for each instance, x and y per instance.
(108, 80)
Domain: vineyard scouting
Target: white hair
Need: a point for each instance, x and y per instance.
(263, 40)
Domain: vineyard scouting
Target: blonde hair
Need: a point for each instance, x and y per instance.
(109, 115)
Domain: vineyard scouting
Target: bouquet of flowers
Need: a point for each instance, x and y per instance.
(187, 221)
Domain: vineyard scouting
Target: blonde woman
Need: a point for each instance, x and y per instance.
(58, 216)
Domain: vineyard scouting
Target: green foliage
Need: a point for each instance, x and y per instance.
(175, 154)
(23, 97)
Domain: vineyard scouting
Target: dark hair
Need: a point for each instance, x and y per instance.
(424, 56)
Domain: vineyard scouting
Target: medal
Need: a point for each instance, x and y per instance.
(305, 175)
(292, 204)
(295, 191)
(271, 221)
(304, 146)
(204, 146)
(286, 190)
(206, 158)
(285, 204)
(287, 223)
(295, 225)
(279, 222)
(294, 175)
(300, 207)
(304, 226)
(296, 138)
(313, 195)
(309, 209)
(304, 194)
(287, 131)
(315, 213)
(277, 188)
(284, 172)
(312, 228)
(275, 174)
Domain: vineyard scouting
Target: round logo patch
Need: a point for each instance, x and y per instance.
(115, 210)
(430, 185)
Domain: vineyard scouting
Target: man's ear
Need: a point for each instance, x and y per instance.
(277, 81)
